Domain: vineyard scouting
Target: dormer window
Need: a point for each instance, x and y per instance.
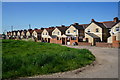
(88, 30)
(68, 31)
(46, 33)
(97, 30)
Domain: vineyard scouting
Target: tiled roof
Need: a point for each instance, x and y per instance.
(39, 31)
(108, 24)
(53, 36)
(50, 29)
(31, 31)
(93, 35)
(100, 24)
(84, 25)
(62, 29)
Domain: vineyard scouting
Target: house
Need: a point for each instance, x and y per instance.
(37, 34)
(46, 34)
(57, 34)
(29, 33)
(1, 36)
(115, 32)
(23, 34)
(19, 36)
(74, 33)
(98, 31)
(9, 34)
(15, 34)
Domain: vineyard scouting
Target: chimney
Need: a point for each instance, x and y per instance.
(42, 28)
(76, 23)
(116, 19)
(25, 30)
(62, 25)
(92, 20)
(35, 29)
(29, 29)
(51, 27)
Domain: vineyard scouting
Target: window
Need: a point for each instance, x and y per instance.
(58, 33)
(117, 29)
(73, 38)
(74, 30)
(58, 38)
(43, 33)
(46, 33)
(53, 32)
(109, 30)
(68, 31)
(88, 30)
(97, 30)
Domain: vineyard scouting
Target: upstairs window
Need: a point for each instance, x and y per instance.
(68, 31)
(43, 33)
(88, 30)
(46, 33)
(74, 30)
(97, 30)
(58, 33)
(117, 28)
(109, 30)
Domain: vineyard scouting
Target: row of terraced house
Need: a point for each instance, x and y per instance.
(102, 34)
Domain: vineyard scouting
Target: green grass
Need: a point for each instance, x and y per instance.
(22, 58)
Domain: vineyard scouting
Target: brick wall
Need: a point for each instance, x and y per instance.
(84, 44)
(54, 40)
(103, 44)
(116, 44)
(72, 41)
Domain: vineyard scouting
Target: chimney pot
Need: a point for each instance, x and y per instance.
(92, 20)
(116, 19)
(76, 23)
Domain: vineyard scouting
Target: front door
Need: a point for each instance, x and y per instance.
(48, 40)
(63, 41)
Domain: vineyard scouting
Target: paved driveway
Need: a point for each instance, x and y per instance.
(106, 65)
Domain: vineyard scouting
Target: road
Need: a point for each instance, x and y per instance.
(105, 66)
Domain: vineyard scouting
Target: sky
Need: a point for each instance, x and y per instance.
(47, 14)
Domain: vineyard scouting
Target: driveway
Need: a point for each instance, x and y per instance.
(106, 65)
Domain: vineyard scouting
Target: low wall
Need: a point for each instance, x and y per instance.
(72, 41)
(55, 41)
(103, 44)
(116, 44)
(84, 44)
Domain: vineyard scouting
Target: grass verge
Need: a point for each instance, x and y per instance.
(22, 58)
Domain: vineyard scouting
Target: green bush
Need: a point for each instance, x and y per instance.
(26, 58)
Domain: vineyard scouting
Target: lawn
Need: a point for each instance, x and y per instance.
(27, 58)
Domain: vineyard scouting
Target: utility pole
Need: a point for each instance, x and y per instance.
(29, 26)
(11, 28)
